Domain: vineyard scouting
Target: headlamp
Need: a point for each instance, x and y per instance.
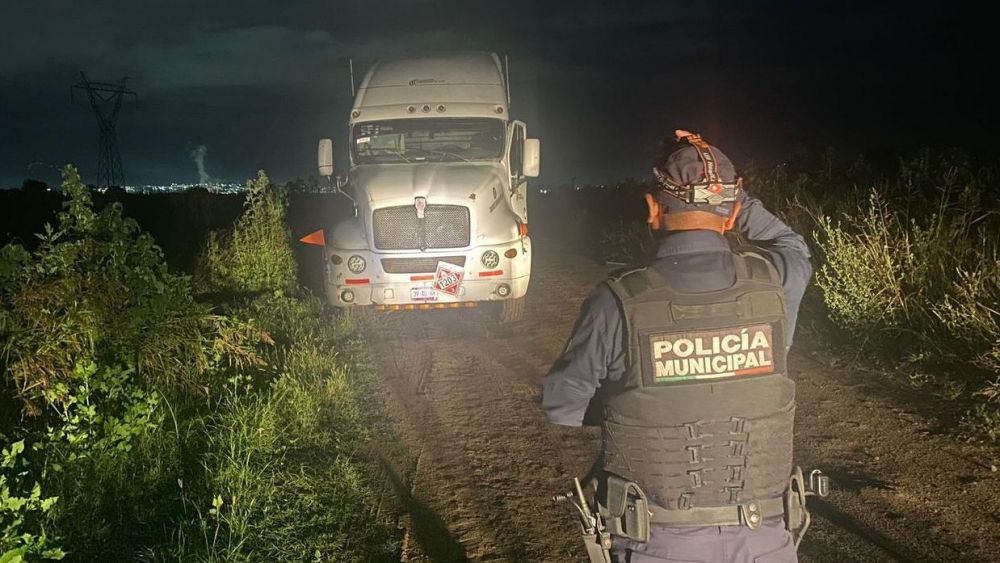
(711, 193)
(711, 190)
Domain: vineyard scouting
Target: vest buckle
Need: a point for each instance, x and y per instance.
(751, 516)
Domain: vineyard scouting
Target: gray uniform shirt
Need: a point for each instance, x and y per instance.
(691, 262)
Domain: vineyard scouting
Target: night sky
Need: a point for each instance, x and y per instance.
(598, 82)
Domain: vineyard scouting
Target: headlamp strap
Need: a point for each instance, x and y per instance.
(711, 189)
(709, 163)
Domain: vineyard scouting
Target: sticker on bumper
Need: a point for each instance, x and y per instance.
(448, 278)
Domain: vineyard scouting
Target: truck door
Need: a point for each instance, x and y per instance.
(518, 181)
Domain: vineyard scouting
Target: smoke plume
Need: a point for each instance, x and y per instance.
(198, 156)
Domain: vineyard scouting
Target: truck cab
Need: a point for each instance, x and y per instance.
(438, 175)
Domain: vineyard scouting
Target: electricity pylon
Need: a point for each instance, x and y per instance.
(106, 100)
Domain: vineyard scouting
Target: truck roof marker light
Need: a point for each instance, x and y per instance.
(441, 109)
(511, 253)
(355, 114)
(358, 281)
(316, 237)
(499, 109)
(411, 109)
(426, 108)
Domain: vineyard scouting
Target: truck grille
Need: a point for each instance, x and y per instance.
(422, 265)
(443, 226)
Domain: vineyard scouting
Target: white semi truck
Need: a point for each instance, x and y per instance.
(438, 176)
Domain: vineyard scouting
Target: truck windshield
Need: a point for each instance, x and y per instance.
(427, 139)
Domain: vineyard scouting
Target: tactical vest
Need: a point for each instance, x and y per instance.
(705, 418)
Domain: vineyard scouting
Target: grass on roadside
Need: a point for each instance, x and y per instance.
(161, 427)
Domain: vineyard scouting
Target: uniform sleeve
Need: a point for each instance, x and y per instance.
(593, 353)
(788, 250)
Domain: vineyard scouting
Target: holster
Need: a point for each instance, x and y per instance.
(797, 517)
(625, 509)
(595, 551)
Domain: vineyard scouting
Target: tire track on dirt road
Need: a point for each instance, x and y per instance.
(480, 427)
(481, 462)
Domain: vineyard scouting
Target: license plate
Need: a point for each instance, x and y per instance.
(423, 294)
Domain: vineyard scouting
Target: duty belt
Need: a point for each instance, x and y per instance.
(750, 514)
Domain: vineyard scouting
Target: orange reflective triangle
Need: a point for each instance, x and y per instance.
(316, 237)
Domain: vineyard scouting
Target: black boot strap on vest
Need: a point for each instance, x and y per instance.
(750, 514)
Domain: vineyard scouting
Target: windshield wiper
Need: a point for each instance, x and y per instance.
(440, 152)
(400, 154)
(446, 153)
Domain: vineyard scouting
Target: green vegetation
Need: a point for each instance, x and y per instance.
(157, 426)
(257, 254)
(911, 269)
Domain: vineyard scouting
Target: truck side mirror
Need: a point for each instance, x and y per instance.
(325, 157)
(532, 157)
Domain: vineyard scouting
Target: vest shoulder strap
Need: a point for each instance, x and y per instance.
(631, 283)
(752, 264)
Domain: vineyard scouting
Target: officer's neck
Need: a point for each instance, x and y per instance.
(695, 240)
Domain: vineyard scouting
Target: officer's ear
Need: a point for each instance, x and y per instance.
(655, 212)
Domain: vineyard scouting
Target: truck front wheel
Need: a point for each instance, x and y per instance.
(511, 310)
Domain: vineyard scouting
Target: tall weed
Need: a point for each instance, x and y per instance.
(864, 271)
(256, 255)
(97, 290)
(915, 274)
(283, 475)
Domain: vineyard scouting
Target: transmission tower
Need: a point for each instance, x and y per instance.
(106, 100)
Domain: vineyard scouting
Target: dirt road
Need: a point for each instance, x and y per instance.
(477, 463)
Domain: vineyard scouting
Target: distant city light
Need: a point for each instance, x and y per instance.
(213, 187)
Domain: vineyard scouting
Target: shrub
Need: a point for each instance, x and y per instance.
(169, 431)
(628, 243)
(257, 254)
(98, 290)
(23, 509)
(95, 330)
(863, 274)
(970, 312)
(916, 271)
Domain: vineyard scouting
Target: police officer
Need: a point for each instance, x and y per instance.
(689, 355)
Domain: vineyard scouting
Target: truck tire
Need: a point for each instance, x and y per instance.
(511, 310)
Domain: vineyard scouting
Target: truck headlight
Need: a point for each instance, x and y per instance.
(356, 264)
(490, 259)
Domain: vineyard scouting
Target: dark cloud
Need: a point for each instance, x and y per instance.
(600, 82)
